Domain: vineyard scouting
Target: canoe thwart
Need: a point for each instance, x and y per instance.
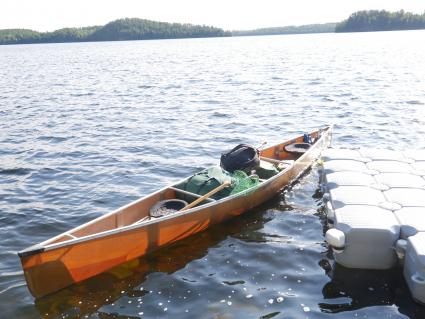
(276, 161)
(190, 193)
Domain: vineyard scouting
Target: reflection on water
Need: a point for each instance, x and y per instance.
(174, 281)
(351, 289)
(127, 279)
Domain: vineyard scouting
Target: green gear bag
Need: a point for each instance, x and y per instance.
(266, 170)
(209, 179)
(205, 181)
(241, 182)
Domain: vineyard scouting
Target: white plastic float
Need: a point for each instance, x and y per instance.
(375, 203)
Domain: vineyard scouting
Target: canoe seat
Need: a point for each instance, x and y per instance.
(146, 218)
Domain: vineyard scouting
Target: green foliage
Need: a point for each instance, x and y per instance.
(140, 29)
(375, 20)
(21, 36)
(119, 30)
(9, 36)
(69, 34)
(310, 28)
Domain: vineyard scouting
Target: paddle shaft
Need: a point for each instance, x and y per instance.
(207, 195)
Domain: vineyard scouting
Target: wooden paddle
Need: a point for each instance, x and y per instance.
(207, 195)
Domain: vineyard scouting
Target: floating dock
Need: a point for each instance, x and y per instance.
(375, 203)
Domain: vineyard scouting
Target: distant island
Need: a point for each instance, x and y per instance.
(141, 29)
(309, 28)
(118, 30)
(374, 20)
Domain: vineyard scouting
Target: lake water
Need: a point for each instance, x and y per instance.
(88, 127)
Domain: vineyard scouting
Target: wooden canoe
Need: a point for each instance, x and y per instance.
(128, 232)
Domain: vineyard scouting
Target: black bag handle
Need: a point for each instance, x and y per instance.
(238, 147)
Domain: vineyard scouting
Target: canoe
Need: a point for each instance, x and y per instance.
(129, 232)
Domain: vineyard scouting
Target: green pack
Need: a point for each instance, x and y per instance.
(241, 182)
(205, 181)
(209, 179)
(266, 170)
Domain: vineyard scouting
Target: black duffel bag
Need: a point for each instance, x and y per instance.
(243, 157)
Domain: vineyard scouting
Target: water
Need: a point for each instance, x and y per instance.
(86, 128)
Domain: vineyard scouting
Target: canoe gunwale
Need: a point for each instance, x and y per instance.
(45, 246)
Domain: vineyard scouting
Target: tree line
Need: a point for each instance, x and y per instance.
(381, 20)
(309, 28)
(141, 29)
(118, 30)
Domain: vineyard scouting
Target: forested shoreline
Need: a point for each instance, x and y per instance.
(118, 30)
(309, 28)
(381, 20)
(141, 29)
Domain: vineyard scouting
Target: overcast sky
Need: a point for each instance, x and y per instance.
(47, 15)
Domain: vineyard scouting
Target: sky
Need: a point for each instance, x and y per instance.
(49, 15)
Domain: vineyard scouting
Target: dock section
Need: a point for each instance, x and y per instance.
(375, 203)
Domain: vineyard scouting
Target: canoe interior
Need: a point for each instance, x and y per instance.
(138, 212)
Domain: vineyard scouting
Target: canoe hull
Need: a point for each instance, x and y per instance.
(50, 270)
